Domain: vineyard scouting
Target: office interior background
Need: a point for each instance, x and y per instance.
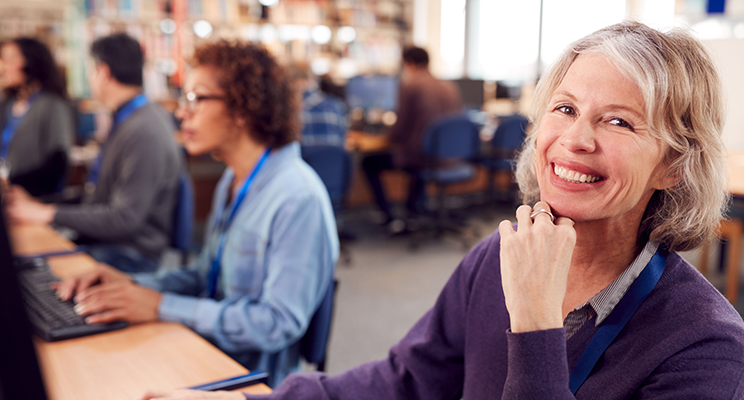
(496, 50)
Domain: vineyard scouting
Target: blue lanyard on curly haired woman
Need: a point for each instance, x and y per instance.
(214, 272)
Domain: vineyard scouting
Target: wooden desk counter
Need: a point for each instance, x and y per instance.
(366, 142)
(35, 238)
(395, 182)
(123, 364)
(120, 365)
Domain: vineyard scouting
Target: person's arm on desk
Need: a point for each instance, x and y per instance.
(107, 295)
(24, 208)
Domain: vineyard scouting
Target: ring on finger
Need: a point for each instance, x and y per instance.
(542, 210)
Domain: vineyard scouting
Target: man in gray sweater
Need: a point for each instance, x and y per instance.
(126, 215)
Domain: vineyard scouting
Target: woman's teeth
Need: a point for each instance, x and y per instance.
(573, 176)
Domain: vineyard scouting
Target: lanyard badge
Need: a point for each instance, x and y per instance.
(223, 226)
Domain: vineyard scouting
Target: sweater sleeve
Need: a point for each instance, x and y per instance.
(428, 363)
(55, 140)
(538, 368)
(141, 172)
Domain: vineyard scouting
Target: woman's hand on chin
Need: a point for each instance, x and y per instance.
(535, 260)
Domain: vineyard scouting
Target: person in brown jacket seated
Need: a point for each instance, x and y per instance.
(421, 100)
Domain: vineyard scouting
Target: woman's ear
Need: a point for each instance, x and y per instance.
(241, 122)
(670, 180)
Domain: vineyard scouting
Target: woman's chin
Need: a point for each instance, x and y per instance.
(576, 214)
(194, 150)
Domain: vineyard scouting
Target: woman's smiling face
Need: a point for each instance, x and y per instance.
(595, 156)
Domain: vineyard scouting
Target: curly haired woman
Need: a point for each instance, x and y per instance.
(271, 242)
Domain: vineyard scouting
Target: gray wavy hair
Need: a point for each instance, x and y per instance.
(681, 89)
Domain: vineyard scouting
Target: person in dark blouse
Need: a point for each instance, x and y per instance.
(586, 296)
(35, 119)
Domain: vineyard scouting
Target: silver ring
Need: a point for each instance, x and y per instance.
(542, 210)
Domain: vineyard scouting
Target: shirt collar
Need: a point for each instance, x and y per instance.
(605, 301)
(276, 157)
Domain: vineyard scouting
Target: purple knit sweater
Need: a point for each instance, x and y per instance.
(684, 342)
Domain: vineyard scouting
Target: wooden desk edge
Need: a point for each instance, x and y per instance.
(78, 263)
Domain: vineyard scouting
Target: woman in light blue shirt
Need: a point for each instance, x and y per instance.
(271, 242)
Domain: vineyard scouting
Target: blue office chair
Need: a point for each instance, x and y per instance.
(183, 217)
(314, 344)
(507, 139)
(85, 123)
(448, 146)
(333, 165)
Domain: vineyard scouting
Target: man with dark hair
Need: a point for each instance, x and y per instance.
(126, 214)
(421, 100)
(416, 56)
(123, 56)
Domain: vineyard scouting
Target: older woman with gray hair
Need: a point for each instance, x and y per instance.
(586, 296)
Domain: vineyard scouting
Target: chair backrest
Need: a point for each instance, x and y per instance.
(451, 137)
(85, 123)
(183, 214)
(333, 165)
(511, 132)
(314, 344)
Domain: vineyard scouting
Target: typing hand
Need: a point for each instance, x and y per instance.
(121, 300)
(191, 395)
(534, 268)
(79, 284)
(24, 208)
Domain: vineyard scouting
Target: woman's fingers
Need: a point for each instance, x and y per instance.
(506, 228)
(66, 288)
(561, 221)
(542, 212)
(534, 267)
(523, 217)
(106, 317)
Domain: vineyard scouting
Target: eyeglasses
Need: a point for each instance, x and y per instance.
(191, 100)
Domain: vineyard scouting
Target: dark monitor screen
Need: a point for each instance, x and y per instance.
(372, 91)
(508, 90)
(20, 377)
(471, 92)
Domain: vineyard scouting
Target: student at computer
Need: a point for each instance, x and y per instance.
(35, 120)
(421, 100)
(270, 243)
(323, 115)
(126, 214)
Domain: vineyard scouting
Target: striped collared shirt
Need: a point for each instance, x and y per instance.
(602, 303)
(323, 118)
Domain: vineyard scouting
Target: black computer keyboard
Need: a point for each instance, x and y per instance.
(52, 318)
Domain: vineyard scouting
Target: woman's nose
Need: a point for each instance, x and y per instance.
(580, 136)
(180, 113)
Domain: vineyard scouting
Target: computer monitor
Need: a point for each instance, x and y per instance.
(508, 90)
(372, 91)
(20, 377)
(471, 92)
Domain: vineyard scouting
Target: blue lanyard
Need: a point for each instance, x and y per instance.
(223, 226)
(13, 122)
(124, 112)
(615, 322)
